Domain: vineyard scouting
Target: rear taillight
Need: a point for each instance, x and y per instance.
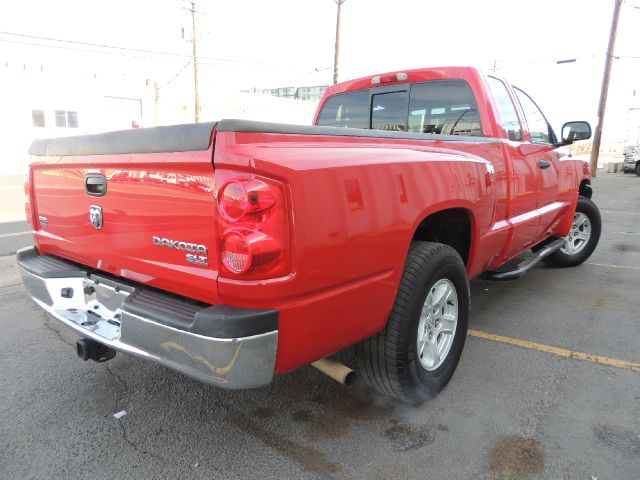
(237, 198)
(253, 226)
(28, 209)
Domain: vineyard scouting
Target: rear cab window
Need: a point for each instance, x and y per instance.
(445, 107)
(347, 110)
(389, 111)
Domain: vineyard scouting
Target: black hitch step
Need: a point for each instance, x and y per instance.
(528, 263)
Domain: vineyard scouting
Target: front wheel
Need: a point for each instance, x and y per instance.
(583, 237)
(638, 169)
(414, 357)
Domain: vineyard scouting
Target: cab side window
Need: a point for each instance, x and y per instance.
(506, 109)
(537, 124)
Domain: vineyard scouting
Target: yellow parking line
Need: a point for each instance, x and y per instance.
(625, 212)
(622, 233)
(609, 265)
(561, 352)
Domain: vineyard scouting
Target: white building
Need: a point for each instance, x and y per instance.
(42, 99)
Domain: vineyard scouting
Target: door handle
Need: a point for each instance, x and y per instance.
(95, 185)
(544, 164)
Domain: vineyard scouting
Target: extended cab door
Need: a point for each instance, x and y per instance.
(539, 149)
(524, 173)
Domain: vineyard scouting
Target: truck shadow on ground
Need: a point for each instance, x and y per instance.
(301, 415)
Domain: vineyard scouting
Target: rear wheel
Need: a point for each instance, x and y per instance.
(414, 357)
(638, 169)
(583, 237)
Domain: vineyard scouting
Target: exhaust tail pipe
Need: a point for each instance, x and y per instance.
(92, 350)
(336, 370)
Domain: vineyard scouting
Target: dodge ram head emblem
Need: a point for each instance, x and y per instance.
(95, 215)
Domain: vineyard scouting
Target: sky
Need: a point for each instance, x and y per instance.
(254, 43)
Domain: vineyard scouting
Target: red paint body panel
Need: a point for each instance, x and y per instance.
(353, 205)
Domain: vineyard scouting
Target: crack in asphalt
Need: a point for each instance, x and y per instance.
(135, 446)
(123, 428)
(56, 332)
(119, 398)
(121, 380)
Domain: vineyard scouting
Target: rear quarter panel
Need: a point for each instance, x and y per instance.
(355, 205)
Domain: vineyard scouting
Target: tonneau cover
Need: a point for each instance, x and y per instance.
(174, 138)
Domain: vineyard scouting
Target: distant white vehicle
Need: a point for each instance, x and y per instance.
(631, 159)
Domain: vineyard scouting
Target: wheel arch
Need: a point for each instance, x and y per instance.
(450, 225)
(584, 189)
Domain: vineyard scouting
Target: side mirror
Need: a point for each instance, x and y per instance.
(575, 131)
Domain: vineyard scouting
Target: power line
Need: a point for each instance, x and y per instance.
(114, 47)
(128, 55)
(178, 73)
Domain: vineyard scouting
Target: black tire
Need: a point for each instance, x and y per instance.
(388, 361)
(638, 169)
(562, 258)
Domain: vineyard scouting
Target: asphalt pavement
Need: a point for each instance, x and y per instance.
(509, 412)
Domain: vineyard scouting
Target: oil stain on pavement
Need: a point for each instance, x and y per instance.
(308, 458)
(514, 456)
(405, 437)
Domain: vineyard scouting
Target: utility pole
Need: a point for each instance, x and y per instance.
(196, 85)
(597, 137)
(156, 101)
(337, 51)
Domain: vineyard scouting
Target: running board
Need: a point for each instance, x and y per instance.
(529, 263)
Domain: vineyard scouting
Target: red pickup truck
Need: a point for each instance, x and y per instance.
(238, 250)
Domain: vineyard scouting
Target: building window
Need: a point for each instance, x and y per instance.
(38, 118)
(66, 119)
(72, 119)
(61, 118)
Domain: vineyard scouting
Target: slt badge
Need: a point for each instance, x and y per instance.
(95, 215)
(185, 247)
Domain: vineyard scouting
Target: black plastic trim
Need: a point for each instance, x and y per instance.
(250, 126)
(174, 138)
(47, 266)
(528, 264)
(223, 321)
(93, 180)
(218, 321)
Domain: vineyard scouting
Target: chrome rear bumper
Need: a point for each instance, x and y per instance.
(219, 345)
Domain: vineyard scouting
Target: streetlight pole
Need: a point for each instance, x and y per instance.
(597, 137)
(337, 51)
(196, 84)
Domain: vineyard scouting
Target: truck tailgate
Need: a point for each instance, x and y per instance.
(138, 204)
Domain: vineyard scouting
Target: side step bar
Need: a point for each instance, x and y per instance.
(529, 263)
